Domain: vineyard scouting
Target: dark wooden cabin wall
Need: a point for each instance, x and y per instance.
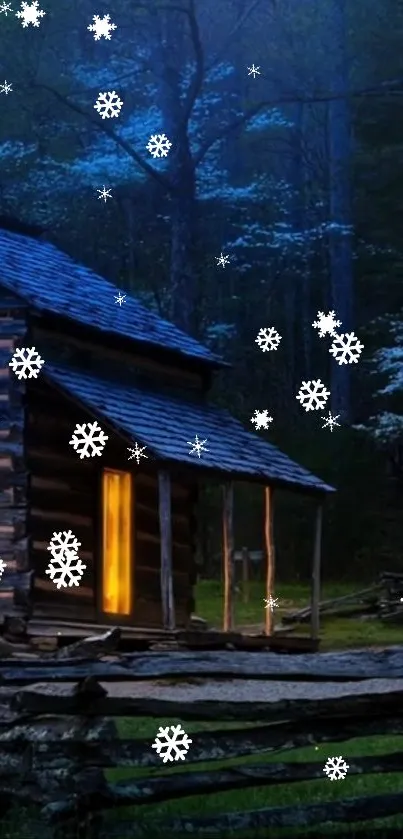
(15, 581)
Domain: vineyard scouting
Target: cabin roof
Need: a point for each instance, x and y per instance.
(165, 423)
(52, 282)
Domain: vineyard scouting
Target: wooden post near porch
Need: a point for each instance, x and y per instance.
(315, 588)
(228, 556)
(270, 556)
(167, 594)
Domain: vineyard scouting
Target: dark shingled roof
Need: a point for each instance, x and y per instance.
(165, 423)
(50, 281)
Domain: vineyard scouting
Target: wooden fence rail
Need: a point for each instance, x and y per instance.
(59, 740)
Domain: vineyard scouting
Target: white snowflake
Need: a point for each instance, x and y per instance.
(63, 542)
(137, 452)
(104, 193)
(30, 13)
(313, 395)
(198, 446)
(254, 71)
(158, 145)
(108, 104)
(271, 603)
(261, 419)
(3, 566)
(26, 361)
(330, 421)
(88, 443)
(326, 324)
(268, 339)
(336, 768)
(6, 88)
(66, 571)
(120, 298)
(174, 746)
(5, 7)
(102, 27)
(346, 348)
(222, 260)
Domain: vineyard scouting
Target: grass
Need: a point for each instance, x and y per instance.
(336, 633)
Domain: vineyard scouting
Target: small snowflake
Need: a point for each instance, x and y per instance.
(222, 260)
(104, 193)
(326, 324)
(26, 361)
(171, 747)
(268, 339)
(30, 14)
(158, 145)
(88, 443)
(198, 446)
(120, 298)
(5, 7)
(261, 419)
(137, 452)
(330, 421)
(271, 603)
(108, 104)
(336, 768)
(102, 27)
(313, 395)
(3, 566)
(254, 71)
(6, 88)
(66, 571)
(346, 348)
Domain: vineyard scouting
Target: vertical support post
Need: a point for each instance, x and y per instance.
(270, 555)
(228, 555)
(315, 588)
(245, 575)
(167, 595)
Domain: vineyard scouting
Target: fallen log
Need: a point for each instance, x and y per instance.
(92, 647)
(325, 605)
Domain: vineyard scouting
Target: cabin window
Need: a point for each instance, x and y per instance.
(117, 559)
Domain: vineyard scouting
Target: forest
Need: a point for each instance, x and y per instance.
(293, 172)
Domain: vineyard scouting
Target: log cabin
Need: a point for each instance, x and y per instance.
(144, 381)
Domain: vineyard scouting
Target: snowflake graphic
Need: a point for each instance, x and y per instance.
(222, 260)
(261, 419)
(336, 768)
(137, 452)
(3, 566)
(66, 571)
(313, 395)
(6, 88)
(254, 71)
(120, 298)
(104, 193)
(268, 339)
(158, 145)
(26, 361)
(30, 14)
(62, 542)
(108, 104)
(271, 603)
(326, 324)
(198, 446)
(330, 421)
(102, 27)
(174, 746)
(5, 7)
(346, 348)
(88, 443)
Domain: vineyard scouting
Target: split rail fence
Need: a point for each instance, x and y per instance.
(58, 739)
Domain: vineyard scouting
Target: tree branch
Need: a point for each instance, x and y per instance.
(197, 80)
(218, 56)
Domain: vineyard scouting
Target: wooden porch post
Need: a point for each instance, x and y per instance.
(228, 555)
(270, 555)
(315, 589)
(167, 595)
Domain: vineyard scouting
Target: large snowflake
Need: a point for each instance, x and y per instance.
(3, 566)
(26, 363)
(158, 145)
(313, 395)
(336, 768)
(30, 13)
(102, 27)
(88, 439)
(108, 104)
(65, 567)
(268, 339)
(346, 348)
(326, 324)
(174, 746)
(61, 542)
